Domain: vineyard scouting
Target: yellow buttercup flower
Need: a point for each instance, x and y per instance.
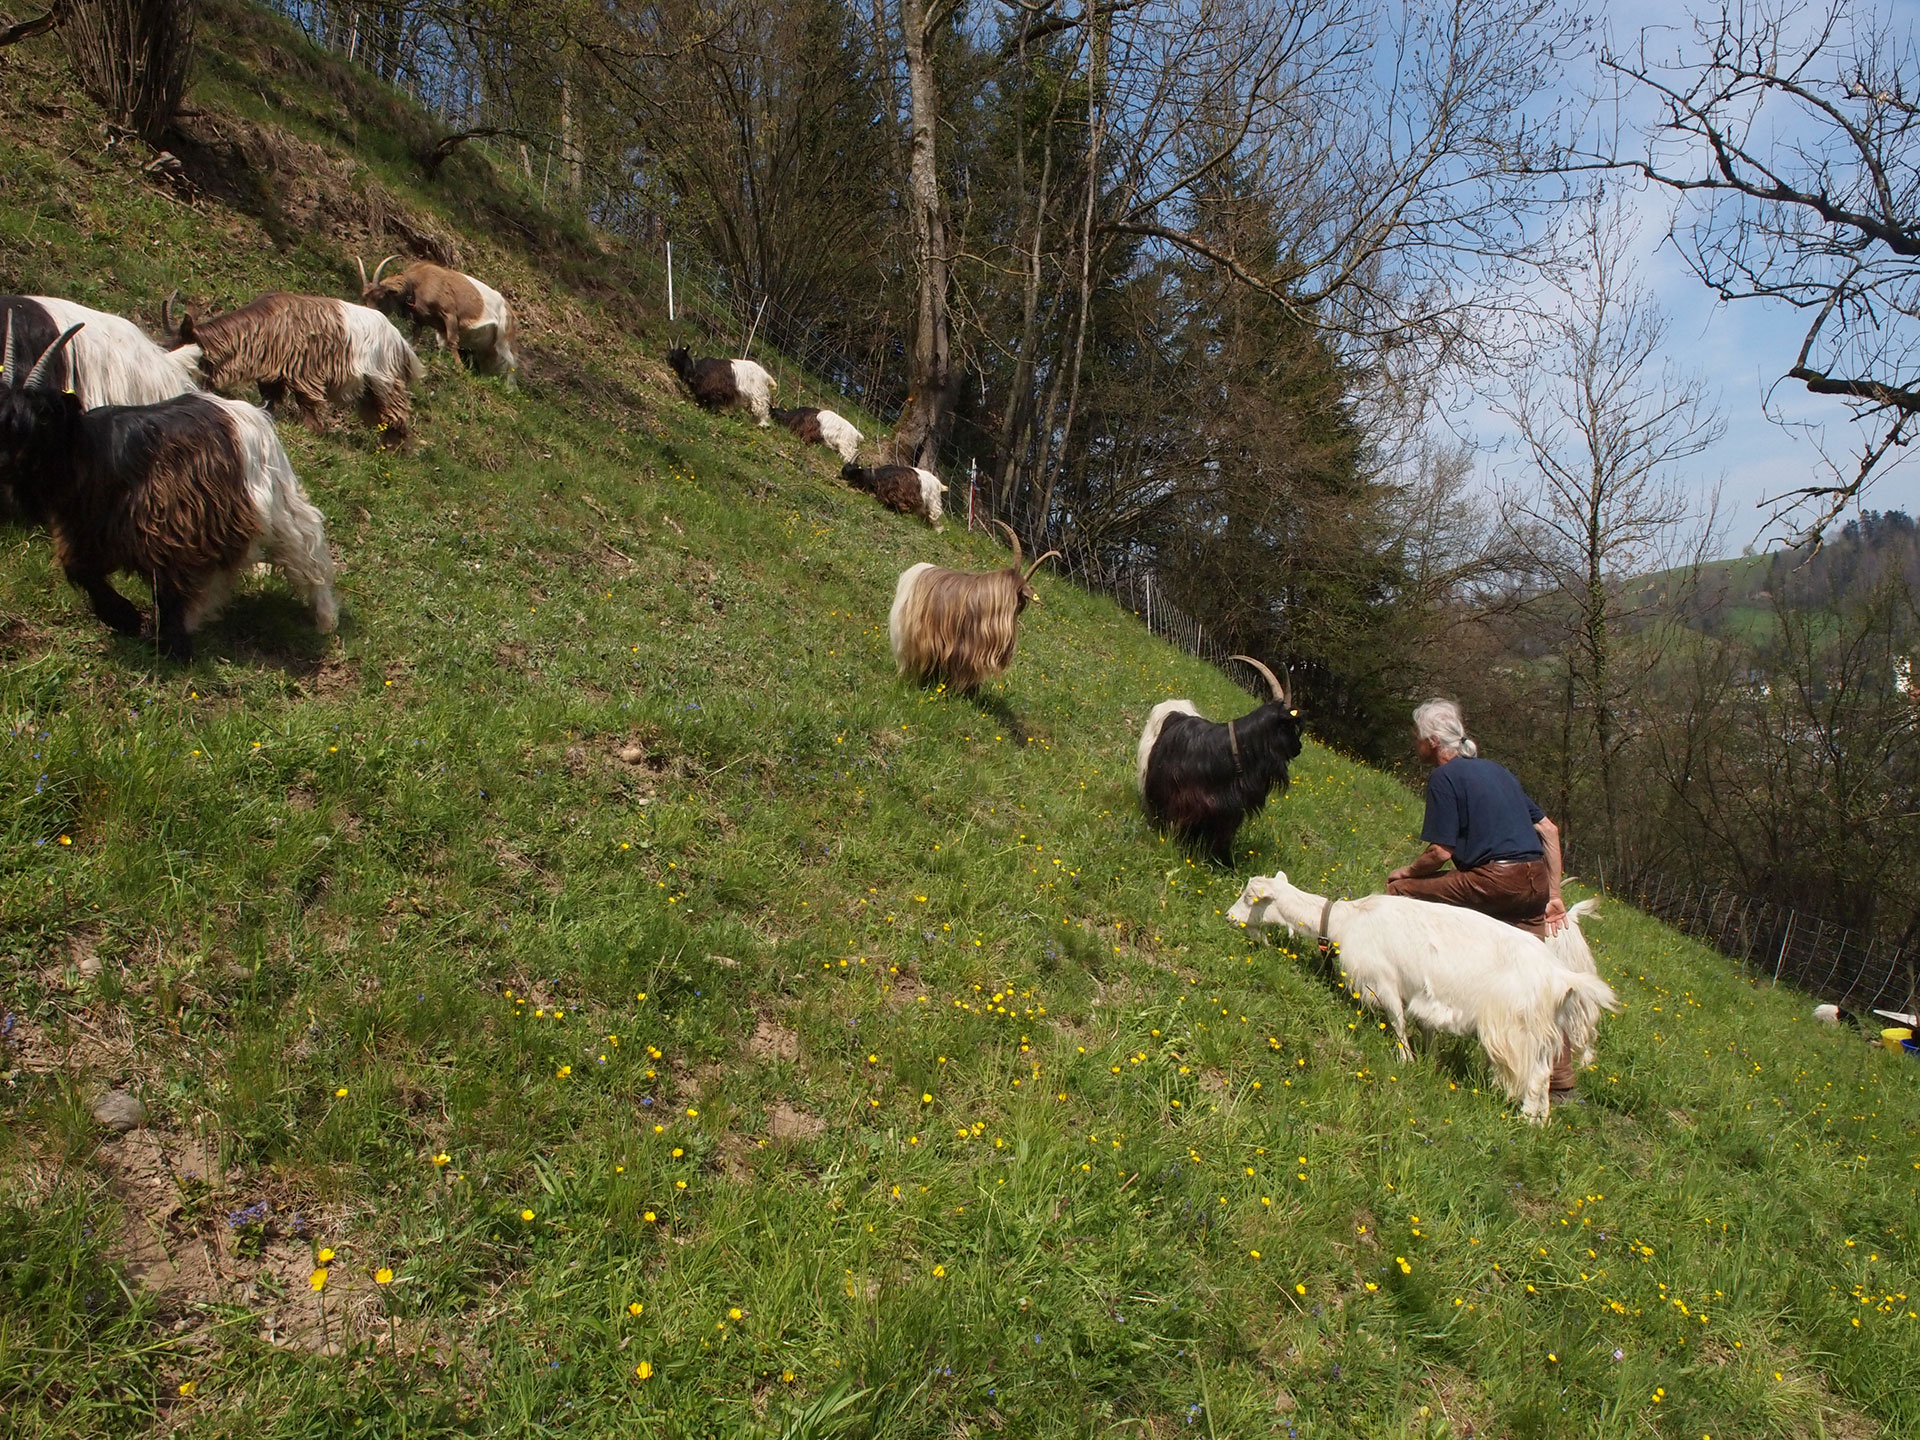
(526, 1214)
(318, 1280)
(635, 1308)
(383, 1276)
(644, 1370)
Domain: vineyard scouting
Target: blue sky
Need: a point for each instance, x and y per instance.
(1740, 349)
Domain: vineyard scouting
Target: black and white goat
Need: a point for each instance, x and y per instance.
(111, 362)
(716, 383)
(186, 493)
(1200, 779)
(822, 427)
(906, 489)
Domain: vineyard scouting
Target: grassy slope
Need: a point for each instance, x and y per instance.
(931, 1061)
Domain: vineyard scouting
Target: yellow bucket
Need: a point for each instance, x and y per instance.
(1892, 1038)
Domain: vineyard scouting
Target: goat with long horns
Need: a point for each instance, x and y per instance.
(468, 314)
(959, 625)
(1200, 778)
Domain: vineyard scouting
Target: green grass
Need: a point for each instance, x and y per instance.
(875, 1015)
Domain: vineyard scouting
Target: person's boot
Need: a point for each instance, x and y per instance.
(1562, 1083)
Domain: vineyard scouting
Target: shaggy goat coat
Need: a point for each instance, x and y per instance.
(186, 493)
(822, 427)
(110, 362)
(906, 489)
(958, 625)
(1201, 779)
(313, 349)
(469, 316)
(716, 383)
(1452, 970)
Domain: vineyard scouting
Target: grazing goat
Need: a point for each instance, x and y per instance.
(822, 427)
(1453, 970)
(904, 488)
(112, 362)
(312, 349)
(1200, 779)
(958, 625)
(470, 316)
(718, 383)
(186, 493)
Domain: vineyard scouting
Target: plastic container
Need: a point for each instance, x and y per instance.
(1898, 1039)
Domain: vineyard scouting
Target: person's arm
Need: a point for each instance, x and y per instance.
(1430, 861)
(1549, 834)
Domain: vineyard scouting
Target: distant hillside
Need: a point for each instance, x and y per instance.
(592, 995)
(1738, 596)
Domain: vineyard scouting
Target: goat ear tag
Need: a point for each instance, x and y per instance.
(1294, 713)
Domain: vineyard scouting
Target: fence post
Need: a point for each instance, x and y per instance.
(972, 485)
(669, 279)
(1785, 936)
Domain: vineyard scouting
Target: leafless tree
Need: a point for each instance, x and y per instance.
(1791, 133)
(132, 56)
(1604, 426)
(1388, 144)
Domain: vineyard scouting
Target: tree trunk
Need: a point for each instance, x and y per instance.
(569, 144)
(1600, 671)
(928, 415)
(1096, 79)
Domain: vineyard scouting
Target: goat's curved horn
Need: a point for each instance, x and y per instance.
(166, 312)
(378, 269)
(9, 367)
(1050, 555)
(43, 367)
(363, 271)
(1279, 690)
(1012, 539)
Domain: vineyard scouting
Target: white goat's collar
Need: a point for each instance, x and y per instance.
(1233, 743)
(1326, 911)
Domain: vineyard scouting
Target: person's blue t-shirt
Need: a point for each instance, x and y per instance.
(1478, 811)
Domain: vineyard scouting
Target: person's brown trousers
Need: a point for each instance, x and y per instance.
(1516, 891)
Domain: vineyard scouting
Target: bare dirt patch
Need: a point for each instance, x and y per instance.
(773, 1041)
(789, 1122)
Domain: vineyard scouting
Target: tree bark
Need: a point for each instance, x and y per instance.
(928, 415)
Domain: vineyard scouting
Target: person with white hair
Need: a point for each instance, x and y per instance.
(1503, 850)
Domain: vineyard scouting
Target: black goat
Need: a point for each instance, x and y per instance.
(1200, 779)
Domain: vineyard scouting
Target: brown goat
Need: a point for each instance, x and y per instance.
(470, 316)
(959, 625)
(310, 348)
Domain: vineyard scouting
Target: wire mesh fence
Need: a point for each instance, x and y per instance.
(1832, 961)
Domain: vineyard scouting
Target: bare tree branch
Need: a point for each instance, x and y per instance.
(27, 29)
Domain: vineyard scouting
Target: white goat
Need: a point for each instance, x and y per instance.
(111, 361)
(1453, 970)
